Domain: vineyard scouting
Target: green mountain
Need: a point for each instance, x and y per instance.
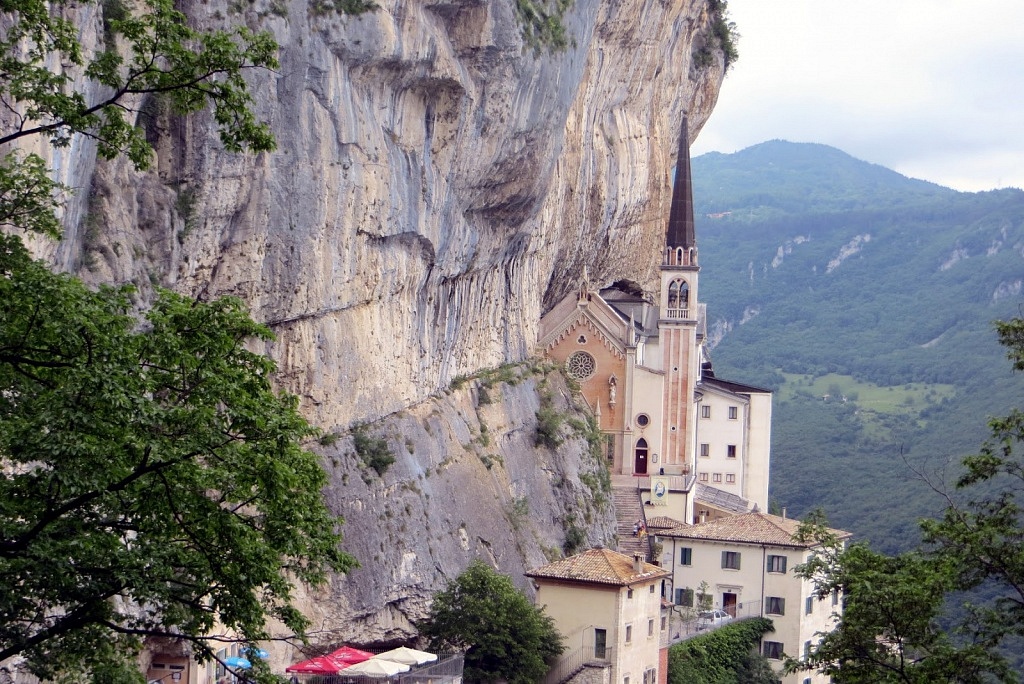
(866, 300)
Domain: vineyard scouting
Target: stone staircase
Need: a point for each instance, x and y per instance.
(628, 510)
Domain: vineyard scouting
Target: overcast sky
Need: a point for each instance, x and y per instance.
(933, 89)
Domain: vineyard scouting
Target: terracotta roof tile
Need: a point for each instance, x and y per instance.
(750, 528)
(662, 522)
(599, 566)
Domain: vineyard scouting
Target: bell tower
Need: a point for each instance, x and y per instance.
(678, 321)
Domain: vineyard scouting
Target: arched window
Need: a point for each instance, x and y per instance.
(678, 294)
(679, 256)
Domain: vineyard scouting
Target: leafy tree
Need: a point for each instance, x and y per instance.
(506, 638)
(727, 655)
(982, 528)
(153, 482)
(890, 629)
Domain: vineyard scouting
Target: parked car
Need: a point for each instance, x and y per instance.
(709, 619)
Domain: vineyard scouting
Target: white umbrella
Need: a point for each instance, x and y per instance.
(376, 667)
(409, 656)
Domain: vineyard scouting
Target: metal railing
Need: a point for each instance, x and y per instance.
(569, 665)
(684, 624)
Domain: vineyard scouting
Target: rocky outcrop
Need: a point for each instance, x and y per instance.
(469, 481)
(436, 183)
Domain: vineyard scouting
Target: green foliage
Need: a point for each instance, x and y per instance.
(549, 424)
(373, 451)
(722, 656)
(542, 23)
(321, 7)
(890, 629)
(722, 36)
(149, 466)
(28, 196)
(158, 52)
(575, 539)
(505, 637)
(518, 512)
(904, 308)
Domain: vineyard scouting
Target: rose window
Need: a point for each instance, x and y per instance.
(580, 365)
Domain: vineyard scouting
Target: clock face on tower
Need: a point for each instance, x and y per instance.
(580, 365)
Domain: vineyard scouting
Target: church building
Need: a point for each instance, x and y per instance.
(702, 443)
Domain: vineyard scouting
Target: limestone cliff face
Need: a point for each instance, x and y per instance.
(436, 185)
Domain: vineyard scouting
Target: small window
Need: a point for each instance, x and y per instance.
(703, 477)
(664, 622)
(643, 420)
(733, 413)
(776, 564)
(731, 560)
(775, 605)
(730, 451)
(651, 676)
(705, 411)
(773, 650)
(835, 597)
(730, 478)
(650, 627)
(807, 680)
(609, 447)
(629, 633)
(705, 450)
(717, 477)
(652, 590)
(809, 605)
(684, 597)
(625, 680)
(629, 593)
(686, 556)
(807, 649)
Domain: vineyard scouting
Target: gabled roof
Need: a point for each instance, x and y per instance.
(749, 528)
(662, 522)
(599, 566)
(726, 501)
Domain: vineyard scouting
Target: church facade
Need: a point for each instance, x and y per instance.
(642, 366)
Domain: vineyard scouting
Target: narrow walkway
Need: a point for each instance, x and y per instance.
(627, 511)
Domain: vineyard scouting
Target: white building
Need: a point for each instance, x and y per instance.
(734, 429)
(747, 562)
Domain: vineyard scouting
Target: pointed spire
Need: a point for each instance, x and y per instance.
(680, 231)
(584, 286)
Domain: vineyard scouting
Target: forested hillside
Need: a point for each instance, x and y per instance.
(866, 300)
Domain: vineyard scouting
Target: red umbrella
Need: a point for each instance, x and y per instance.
(349, 655)
(319, 665)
